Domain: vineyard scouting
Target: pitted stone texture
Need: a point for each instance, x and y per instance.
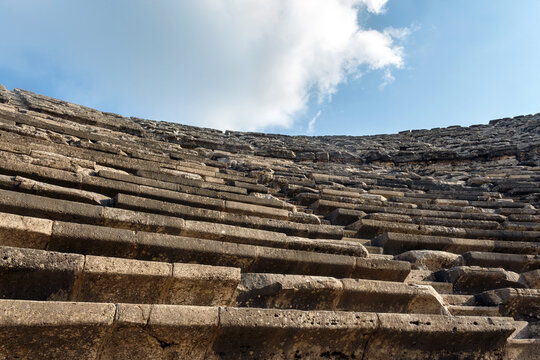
(391, 297)
(161, 332)
(288, 291)
(202, 285)
(266, 333)
(474, 279)
(431, 259)
(37, 274)
(22, 231)
(522, 304)
(122, 280)
(53, 330)
(530, 279)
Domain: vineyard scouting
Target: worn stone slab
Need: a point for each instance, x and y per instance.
(526, 349)
(160, 247)
(53, 330)
(154, 175)
(22, 231)
(45, 275)
(530, 279)
(106, 279)
(63, 210)
(460, 223)
(288, 291)
(254, 221)
(397, 243)
(467, 310)
(344, 216)
(344, 192)
(386, 296)
(474, 279)
(104, 241)
(291, 333)
(161, 331)
(431, 259)
(522, 304)
(55, 191)
(78, 113)
(37, 274)
(250, 187)
(315, 334)
(194, 284)
(513, 262)
(413, 336)
(270, 260)
(374, 228)
(256, 210)
(390, 217)
(381, 269)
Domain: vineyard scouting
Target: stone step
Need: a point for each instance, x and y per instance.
(24, 145)
(47, 275)
(432, 260)
(365, 242)
(25, 185)
(514, 262)
(350, 234)
(250, 187)
(381, 256)
(440, 287)
(344, 192)
(397, 243)
(374, 249)
(367, 208)
(110, 187)
(531, 279)
(524, 218)
(344, 216)
(526, 349)
(26, 232)
(373, 228)
(325, 206)
(390, 217)
(474, 279)
(466, 310)
(462, 300)
(74, 330)
(521, 304)
(19, 203)
(517, 211)
(441, 197)
(249, 219)
(326, 293)
(179, 184)
(223, 177)
(459, 223)
(523, 226)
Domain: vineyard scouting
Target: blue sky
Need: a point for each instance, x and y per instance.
(318, 67)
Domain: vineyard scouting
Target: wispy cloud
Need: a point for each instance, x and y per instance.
(387, 79)
(234, 64)
(311, 123)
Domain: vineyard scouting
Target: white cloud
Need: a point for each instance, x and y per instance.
(233, 64)
(387, 79)
(375, 6)
(311, 123)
